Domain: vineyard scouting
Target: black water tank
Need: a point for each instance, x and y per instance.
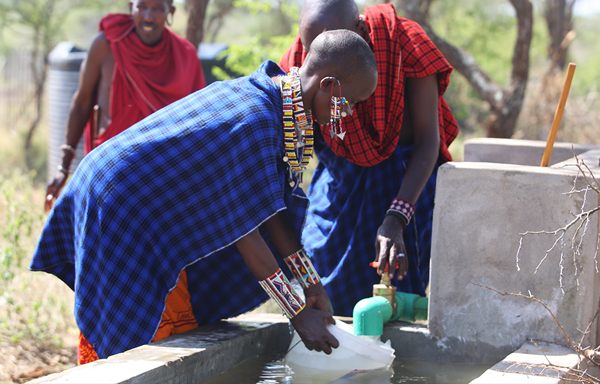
(210, 55)
(63, 80)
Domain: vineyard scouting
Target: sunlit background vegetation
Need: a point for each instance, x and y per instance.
(36, 309)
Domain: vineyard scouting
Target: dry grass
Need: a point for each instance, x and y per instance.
(38, 334)
(580, 122)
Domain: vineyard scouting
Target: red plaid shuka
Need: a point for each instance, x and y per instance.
(401, 48)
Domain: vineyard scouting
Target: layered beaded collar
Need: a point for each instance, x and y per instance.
(297, 124)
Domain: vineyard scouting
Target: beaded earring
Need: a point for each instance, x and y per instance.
(336, 113)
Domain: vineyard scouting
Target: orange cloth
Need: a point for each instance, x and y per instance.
(85, 351)
(178, 317)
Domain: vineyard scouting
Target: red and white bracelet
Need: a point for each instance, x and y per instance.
(280, 290)
(302, 268)
(402, 208)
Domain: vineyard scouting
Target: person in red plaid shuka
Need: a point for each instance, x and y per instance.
(375, 183)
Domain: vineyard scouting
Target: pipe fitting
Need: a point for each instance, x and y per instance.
(370, 314)
(411, 307)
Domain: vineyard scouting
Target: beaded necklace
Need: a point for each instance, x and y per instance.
(297, 124)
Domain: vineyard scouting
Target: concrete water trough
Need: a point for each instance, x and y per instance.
(200, 354)
(495, 295)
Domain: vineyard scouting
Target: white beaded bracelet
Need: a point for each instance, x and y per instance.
(300, 265)
(279, 289)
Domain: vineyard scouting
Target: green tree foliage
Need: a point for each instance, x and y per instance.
(585, 51)
(487, 31)
(42, 22)
(278, 31)
(243, 59)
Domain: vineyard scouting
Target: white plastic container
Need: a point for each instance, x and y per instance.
(354, 353)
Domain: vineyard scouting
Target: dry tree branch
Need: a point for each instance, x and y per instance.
(583, 217)
(593, 183)
(596, 252)
(573, 375)
(587, 330)
(580, 223)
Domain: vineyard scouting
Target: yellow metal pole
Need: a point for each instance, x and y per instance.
(558, 115)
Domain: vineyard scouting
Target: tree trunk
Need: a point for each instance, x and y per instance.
(542, 107)
(39, 76)
(425, 5)
(559, 20)
(215, 22)
(505, 103)
(195, 25)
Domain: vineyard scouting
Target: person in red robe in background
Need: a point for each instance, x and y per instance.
(135, 66)
(375, 180)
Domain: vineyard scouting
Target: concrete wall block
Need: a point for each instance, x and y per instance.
(481, 209)
(522, 152)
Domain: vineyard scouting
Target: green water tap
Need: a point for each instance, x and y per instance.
(372, 313)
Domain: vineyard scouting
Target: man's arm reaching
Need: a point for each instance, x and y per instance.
(422, 103)
(309, 323)
(287, 244)
(79, 113)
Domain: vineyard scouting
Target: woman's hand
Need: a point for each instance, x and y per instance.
(53, 190)
(390, 249)
(311, 325)
(316, 298)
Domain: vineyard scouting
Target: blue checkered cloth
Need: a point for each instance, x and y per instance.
(174, 191)
(347, 206)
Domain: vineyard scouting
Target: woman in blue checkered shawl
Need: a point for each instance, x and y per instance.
(202, 185)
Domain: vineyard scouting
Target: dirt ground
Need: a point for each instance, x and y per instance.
(26, 361)
(36, 343)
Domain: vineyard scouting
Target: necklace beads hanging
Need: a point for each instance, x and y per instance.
(297, 124)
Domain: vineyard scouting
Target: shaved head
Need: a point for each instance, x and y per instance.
(340, 63)
(344, 53)
(326, 15)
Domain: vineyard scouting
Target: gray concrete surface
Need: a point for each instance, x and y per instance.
(188, 358)
(521, 152)
(198, 355)
(538, 362)
(416, 342)
(481, 210)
